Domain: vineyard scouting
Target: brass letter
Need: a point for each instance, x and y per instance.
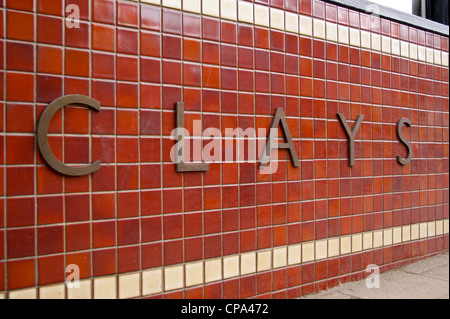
(401, 122)
(182, 167)
(351, 135)
(42, 135)
(289, 145)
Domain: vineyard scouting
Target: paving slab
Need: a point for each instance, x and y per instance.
(426, 279)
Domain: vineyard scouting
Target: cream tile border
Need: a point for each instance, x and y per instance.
(261, 15)
(159, 280)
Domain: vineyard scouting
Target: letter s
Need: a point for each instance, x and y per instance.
(403, 140)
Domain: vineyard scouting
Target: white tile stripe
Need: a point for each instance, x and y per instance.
(247, 12)
(170, 278)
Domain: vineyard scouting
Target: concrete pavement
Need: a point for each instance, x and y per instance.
(426, 279)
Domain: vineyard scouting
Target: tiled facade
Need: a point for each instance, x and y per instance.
(137, 228)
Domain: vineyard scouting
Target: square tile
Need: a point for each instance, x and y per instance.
(395, 46)
(276, 19)
(445, 59)
(279, 257)
(355, 37)
(356, 243)
(421, 53)
(319, 28)
(367, 240)
(414, 231)
(264, 261)
(431, 229)
(376, 42)
(397, 235)
(332, 31)
(307, 252)
(321, 249)
(343, 34)
(210, 8)
(430, 55)
(245, 10)
(333, 247)
(129, 286)
(52, 292)
(387, 237)
(228, 9)
(230, 267)
(413, 51)
(404, 49)
(105, 288)
(152, 282)
(176, 4)
(365, 39)
(291, 22)
(194, 274)
(446, 226)
(439, 227)
(261, 15)
(423, 230)
(23, 294)
(213, 270)
(192, 6)
(174, 277)
(305, 25)
(294, 254)
(83, 292)
(386, 44)
(248, 263)
(406, 233)
(346, 245)
(437, 57)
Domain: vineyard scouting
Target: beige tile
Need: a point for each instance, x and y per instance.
(406, 233)
(343, 34)
(230, 267)
(355, 37)
(437, 57)
(423, 228)
(395, 46)
(264, 260)
(356, 243)
(413, 51)
(279, 257)
(365, 40)
(276, 19)
(248, 263)
(129, 286)
(294, 254)
(446, 226)
(386, 44)
(305, 25)
(439, 227)
(291, 22)
(331, 31)
(333, 247)
(213, 270)
(152, 282)
(378, 239)
(430, 55)
(158, 2)
(245, 11)
(431, 229)
(319, 29)
(404, 49)
(176, 4)
(397, 235)
(421, 53)
(376, 42)
(173, 277)
(210, 8)
(387, 237)
(192, 6)
(308, 252)
(53, 292)
(105, 288)
(346, 245)
(414, 231)
(228, 9)
(367, 240)
(194, 274)
(2, 296)
(261, 15)
(321, 249)
(83, 292)
(29, 293)
(445, 58)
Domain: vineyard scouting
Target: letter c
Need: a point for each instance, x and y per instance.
(42, 135)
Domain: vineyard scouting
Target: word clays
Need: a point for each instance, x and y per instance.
(182, 167)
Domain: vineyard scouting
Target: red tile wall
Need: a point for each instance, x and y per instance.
(137, 213)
